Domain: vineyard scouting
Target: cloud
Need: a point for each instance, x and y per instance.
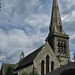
(69, 3)
(15, 11)
(72, 56)
(69, 17)
(20, 20)
(38, 20)
(72, 39)
(24, 24)
(12, 43)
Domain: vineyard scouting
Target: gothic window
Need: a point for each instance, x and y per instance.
(47, 64)
(64, 48)
(58, 46)
(52, 66)
(61, 47)
(60, 28)
(42, 67)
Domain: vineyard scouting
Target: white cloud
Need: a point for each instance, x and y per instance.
(40, 7)
(69, 17)
(69, 3)
(14, 11)
(38, 19)
(26, 28)
(72, 39)
(12, 43)
(16, 15)
(2, 58)
(72, 56)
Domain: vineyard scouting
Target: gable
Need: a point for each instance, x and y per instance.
(46, 50)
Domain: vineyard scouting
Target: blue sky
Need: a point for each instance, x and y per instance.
(24, 26)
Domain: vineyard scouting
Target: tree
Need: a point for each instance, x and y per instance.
(9, 71)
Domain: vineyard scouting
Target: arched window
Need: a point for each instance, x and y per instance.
(64, 48)
(47, 64)
(52, 66)
(58, 46)
(61, 47)
(42, 67)
(60, 28)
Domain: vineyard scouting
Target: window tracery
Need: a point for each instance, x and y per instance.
(61, 47)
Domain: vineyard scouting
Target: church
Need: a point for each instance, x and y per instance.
(53, 55)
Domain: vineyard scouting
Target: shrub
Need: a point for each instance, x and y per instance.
(9, 71)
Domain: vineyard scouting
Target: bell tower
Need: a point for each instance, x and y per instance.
(21, 55)
(57, 38)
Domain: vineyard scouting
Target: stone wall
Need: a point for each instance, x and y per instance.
(27, 70)
(46, 50)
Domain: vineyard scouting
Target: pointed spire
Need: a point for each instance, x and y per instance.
(56, 24)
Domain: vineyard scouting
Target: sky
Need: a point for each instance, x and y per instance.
(24, 26)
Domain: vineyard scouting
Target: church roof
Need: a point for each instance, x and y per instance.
(67, 69)
(28, 60)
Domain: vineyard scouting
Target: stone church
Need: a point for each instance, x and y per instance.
(53, 54)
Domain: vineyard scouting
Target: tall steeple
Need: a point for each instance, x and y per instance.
(57, 38)
(56, 23)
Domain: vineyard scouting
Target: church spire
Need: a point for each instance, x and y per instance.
(56, 24)
(57, 38)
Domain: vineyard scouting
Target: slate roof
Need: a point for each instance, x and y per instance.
(28, 60)
(68, 69)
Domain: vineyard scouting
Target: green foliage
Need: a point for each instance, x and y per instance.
(31, 73)
(9, 71)
(34, 73)
(24, 73)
